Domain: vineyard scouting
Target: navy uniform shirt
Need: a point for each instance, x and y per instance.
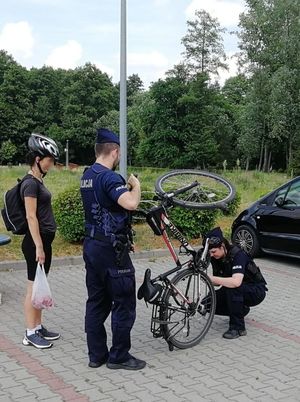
(230, 266)
(100, 190)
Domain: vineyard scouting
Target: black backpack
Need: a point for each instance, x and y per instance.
(13, 213)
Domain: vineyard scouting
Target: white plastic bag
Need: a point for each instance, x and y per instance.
(41, 294)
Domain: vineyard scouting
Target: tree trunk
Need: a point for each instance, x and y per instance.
(247, 164)
(269, 161)
(289, 153)
(261, 155)
(266, 154)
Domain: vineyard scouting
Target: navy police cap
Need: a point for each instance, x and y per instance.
(215, 237)
(105, 136)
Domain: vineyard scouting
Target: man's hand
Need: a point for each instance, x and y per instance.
(130, 199)
(133, 182)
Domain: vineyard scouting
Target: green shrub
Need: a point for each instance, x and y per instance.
(69, 215)
(233, 206)
(8, 151)
(193, 223)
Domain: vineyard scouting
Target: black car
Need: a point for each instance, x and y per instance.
(271, 224)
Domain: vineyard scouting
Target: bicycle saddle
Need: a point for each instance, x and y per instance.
(148, 290)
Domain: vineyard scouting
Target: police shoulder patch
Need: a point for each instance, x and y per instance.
(86, 183)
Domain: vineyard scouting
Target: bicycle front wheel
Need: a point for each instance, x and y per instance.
(210, 191)
(189, 308)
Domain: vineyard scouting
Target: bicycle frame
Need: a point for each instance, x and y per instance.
(159, 221)
(165, 222)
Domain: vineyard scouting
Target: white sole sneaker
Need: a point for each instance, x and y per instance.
(26, 342)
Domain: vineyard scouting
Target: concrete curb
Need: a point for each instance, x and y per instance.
(78, 260)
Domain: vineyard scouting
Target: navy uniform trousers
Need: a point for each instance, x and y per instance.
(111, 288)
(234, 302)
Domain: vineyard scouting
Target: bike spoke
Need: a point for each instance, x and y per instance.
(188, 322)
(211, 191)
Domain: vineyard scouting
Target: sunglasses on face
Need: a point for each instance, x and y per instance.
(214, 241)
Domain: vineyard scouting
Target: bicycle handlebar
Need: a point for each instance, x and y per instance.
(180, 190)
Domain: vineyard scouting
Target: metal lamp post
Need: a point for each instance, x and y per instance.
(123, 92)
(67, 154)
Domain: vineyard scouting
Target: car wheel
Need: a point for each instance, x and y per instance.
(245, 237)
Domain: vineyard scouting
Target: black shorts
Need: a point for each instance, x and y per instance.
(29, 251)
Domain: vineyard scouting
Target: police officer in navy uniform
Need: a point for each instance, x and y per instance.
(110, 275)
(242, 284)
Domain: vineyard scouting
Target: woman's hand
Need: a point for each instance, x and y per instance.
(40, 255)
(233, 281)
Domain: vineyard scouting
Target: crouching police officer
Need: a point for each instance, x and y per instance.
(242, 284)
(110, 275)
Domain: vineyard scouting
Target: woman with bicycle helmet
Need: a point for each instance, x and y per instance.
(242, 284)
(36, 245)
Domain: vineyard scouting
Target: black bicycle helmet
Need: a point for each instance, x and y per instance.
(43, 146)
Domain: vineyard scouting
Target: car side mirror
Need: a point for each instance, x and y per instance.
(279, 202)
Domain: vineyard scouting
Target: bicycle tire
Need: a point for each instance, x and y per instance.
(212, 191)
(176, 315)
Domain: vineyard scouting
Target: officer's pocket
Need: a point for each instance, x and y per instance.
(122, 281)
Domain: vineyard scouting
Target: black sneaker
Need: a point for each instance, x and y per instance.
(50, 336)
(99, 363)
(131, 364)
(37, 341)
(234, 333)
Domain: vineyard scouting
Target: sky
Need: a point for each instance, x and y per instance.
(69, 33)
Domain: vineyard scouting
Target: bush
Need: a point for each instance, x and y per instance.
(69, 214)
(233, 206)
(193, 223)
(8, 151)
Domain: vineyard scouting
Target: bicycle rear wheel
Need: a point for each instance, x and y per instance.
(185, 324)
(210, 192)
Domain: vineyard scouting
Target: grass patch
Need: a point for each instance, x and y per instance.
(251, 186)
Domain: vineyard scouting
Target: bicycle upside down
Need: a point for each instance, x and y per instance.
(183, 305)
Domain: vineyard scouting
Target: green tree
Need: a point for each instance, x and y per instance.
(204, 50)
(46, 85)
(254, 141)
(185, 124)
(6, 61)
(88, 96)
(284, 111)
(15, 108)
(162, 134)
(270, 52)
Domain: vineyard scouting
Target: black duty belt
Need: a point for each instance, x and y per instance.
(120, 243)
(93, 234)
(99, 236)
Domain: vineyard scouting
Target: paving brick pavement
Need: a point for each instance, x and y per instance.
(263, 366)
